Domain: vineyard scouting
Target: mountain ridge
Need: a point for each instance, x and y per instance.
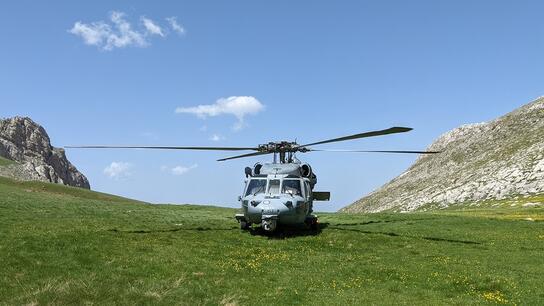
(499, 159)
(27, 145)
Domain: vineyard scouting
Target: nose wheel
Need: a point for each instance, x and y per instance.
(269, 225)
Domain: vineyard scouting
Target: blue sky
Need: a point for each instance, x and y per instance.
(321, 69)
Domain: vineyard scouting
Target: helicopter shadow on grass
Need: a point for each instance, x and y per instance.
(286, 232)
(381, 221)
(170, 230)
(393, 234)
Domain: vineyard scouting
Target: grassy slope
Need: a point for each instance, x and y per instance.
(5, 162)
(61, 245)
(528, 207)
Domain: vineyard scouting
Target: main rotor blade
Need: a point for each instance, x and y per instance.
(377, 151)
(165, 148)
(392, 130)
(244, 155)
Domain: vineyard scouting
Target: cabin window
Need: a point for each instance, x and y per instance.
(274, 186)
(291, 187)
(256, 186)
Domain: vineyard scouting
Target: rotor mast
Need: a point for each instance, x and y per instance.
(282, 149)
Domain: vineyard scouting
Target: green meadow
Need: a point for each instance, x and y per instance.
(61, 245)
(5, 162)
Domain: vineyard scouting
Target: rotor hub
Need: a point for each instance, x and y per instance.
(279, 147)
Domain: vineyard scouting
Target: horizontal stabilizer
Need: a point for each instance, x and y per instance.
(322, 195)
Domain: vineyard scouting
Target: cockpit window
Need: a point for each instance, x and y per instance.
(256, 186)
(274, 186)
(291, 187)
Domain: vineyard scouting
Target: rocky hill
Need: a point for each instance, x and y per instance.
(30, 156)
(500, 159)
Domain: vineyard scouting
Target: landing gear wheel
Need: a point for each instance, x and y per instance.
(314, 225)
(244, 225)
(269, 225)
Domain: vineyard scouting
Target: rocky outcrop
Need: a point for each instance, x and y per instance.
(500, 159)
(27, 143)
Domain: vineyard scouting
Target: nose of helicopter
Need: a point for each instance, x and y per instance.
(271, 207)
(285, 210)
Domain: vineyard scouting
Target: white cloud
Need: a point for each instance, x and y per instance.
(239, 107)
(217, 137)
(118, 170)
(180, 170)
(117, 32)
(124, 36)
(175, 25)
(151, 27)
(92, 34)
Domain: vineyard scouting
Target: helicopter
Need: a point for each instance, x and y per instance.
(280, 192)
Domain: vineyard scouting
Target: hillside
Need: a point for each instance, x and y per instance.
(63, 245)
(496, 160)
(27, 145)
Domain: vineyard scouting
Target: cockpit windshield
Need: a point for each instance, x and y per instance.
(291, 187)
(274, 186)
(288, 186)
(256, 186)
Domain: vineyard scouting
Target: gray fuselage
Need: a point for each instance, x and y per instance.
(279, 193)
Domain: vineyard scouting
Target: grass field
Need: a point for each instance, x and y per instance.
(5, 162)
(61, 245)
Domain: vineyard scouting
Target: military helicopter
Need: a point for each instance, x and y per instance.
(280, 192)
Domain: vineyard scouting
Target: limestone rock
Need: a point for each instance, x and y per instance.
(27, 143)
(493, 160)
